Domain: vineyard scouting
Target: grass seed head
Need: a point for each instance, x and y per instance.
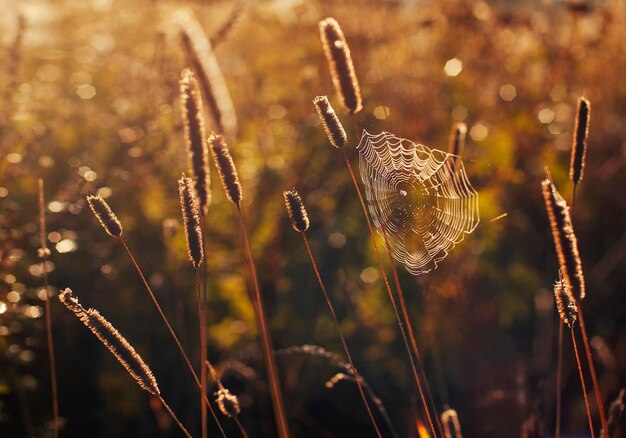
(340, 64)
(565, 242)
(568, 311)
(296, 210)
(114, 341)
(195, 136)
(228, 403)
(579, 146)
(334, 130)
(105, 215)
(191, 219)
(226, 168)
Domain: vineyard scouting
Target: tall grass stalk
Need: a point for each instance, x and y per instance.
(391, 298)
(266, 340)
(582, 382)
(233, 191)
(409, 326)
(300, 222)
(44, 253)
(416, 351)
(113, 227)
(354, 371)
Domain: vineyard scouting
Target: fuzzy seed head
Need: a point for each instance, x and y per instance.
(195, 136)
(105, 215)
(334, 130)
(565, 242)
(296, 210)
(191, 220)
(114, 341)
(579, 146)
(340, 64)
(451, 424)
(568, 311)
(227, 403)
(226, 168)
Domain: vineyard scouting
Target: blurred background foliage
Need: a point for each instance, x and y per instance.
(89, 102)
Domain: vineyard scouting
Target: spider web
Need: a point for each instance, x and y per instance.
(420, 199)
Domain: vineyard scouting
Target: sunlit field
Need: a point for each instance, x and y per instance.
(289, 218)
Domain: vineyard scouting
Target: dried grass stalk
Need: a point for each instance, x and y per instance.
(105, 215)
(568, 311)
(334, 130)
(579, 146)
(191, 220)
(195, 136)
(114, 341)
(565, 241)
(226, 168)
(296, 210)
(202, 59)
(451, 425)
(340, 64)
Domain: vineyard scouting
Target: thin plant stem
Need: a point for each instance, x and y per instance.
(343, 340)
(559, 373)
(169, 410)
(44, 251)
(391, 298)
(583, 331)
(409, 326)
(266, 340)
(172, 333)
(592, 369)
(582, 382)
(203, 353)
(204, 306)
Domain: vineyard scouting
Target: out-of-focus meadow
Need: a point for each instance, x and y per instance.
(89, 102)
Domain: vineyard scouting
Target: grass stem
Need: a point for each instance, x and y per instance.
(172, 333)
(44, 252)
(357, 377)
(391, 298)
(582, 382)
(266, 340)
(169, 410)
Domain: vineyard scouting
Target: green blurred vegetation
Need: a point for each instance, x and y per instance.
(90, 104)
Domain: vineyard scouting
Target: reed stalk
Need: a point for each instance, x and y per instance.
(44, 253)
